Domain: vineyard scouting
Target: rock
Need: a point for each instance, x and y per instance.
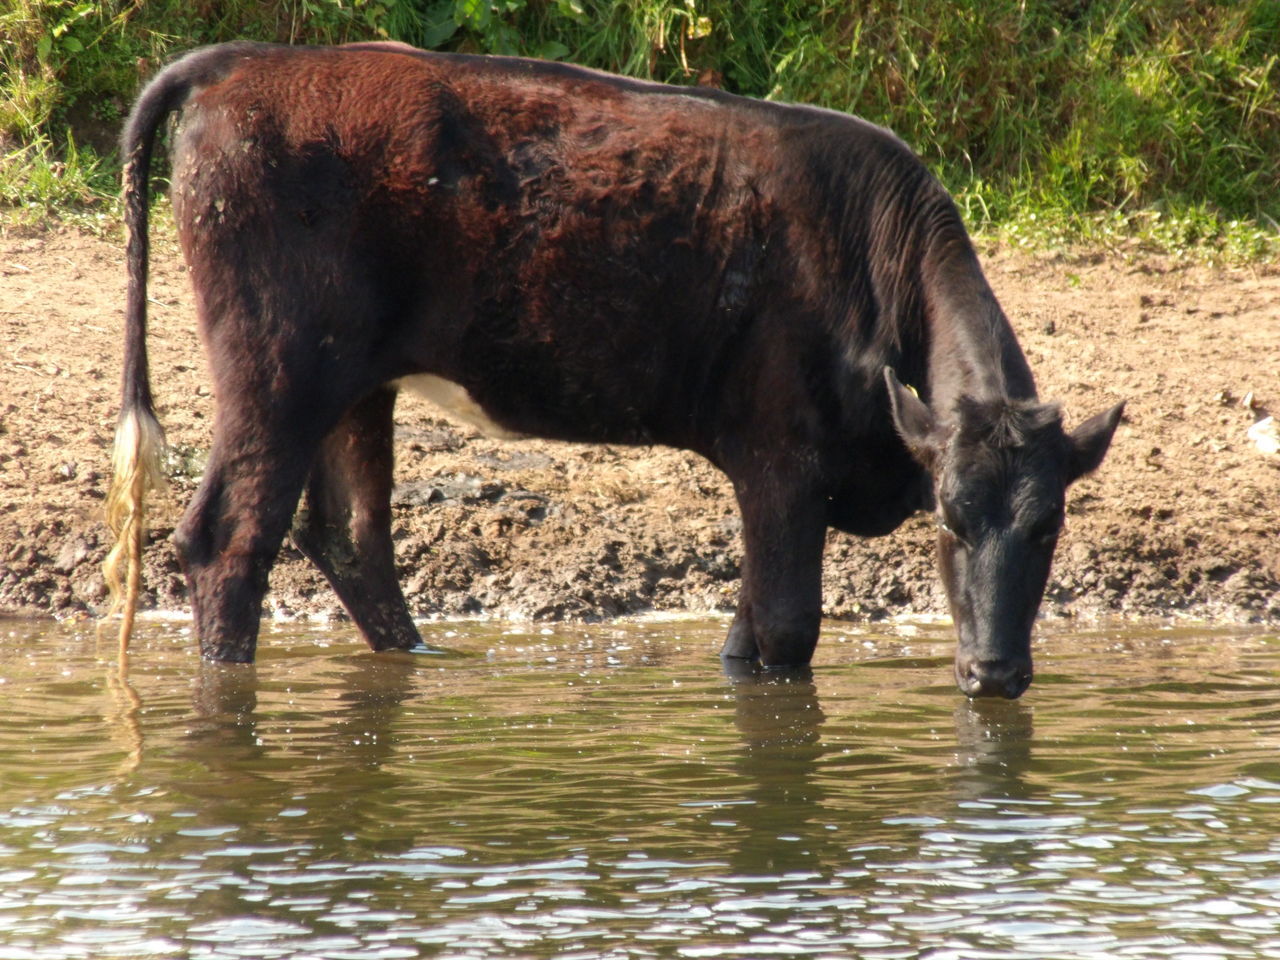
(1265, 435)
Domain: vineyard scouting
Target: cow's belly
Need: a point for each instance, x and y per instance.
(454, 400)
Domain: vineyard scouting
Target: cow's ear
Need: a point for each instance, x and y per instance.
(1090, 440)
(914, 421)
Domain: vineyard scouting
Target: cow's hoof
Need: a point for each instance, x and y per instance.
(227, 653)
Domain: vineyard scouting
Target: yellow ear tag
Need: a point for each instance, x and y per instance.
(914, 392)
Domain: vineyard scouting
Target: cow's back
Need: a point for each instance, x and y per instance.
(590, 257)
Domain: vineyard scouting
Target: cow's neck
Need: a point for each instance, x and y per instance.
(972, 350)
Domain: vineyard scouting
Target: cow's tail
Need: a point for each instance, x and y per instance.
(139, 443)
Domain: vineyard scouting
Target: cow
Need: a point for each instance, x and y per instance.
(579, 256)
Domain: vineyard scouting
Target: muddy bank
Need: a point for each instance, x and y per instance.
(1181, 520)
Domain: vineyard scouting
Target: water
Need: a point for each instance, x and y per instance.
(608, 793)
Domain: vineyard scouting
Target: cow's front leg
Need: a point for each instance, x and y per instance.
(741, 642)
(783, 529)
(344, 527)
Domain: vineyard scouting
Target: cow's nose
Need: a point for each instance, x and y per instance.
(993, 678)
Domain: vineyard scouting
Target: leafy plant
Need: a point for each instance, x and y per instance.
(1161, 118)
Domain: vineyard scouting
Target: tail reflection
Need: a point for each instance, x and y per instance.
(126, 706)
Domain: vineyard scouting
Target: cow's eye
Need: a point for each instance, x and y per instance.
(1047, 530)
(954, 530)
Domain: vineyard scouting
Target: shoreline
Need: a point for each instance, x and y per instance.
(1181, 521)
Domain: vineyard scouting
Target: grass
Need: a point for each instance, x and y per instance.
(1198, 234)
(1052, 121)
(40, 183)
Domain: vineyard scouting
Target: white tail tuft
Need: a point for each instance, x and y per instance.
(136, 465)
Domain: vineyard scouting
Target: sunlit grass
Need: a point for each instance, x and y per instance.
(1039, 220)
(1192, 234)
(40, 183)
(1153, 124)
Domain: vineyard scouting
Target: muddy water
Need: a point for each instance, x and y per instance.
(609, 793)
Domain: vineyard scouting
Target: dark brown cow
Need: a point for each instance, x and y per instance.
(580, 256)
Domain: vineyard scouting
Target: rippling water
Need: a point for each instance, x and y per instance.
(609, 793)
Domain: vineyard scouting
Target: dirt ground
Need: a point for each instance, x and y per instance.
(1180, 521)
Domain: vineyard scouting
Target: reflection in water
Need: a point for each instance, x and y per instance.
(223, 698)
(780, 722)
(314, 747)
(608, 794)
(778, 714)
(993, 740)
(122, 716)
(222, 735)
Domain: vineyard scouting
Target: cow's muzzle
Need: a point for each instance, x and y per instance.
(993, 678)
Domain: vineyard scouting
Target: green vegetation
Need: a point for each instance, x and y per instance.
(1051, 120)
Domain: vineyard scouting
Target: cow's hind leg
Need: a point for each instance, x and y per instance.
(344, 526)
(228, 539)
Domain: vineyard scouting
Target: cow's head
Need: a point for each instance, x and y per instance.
(1000, 472)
